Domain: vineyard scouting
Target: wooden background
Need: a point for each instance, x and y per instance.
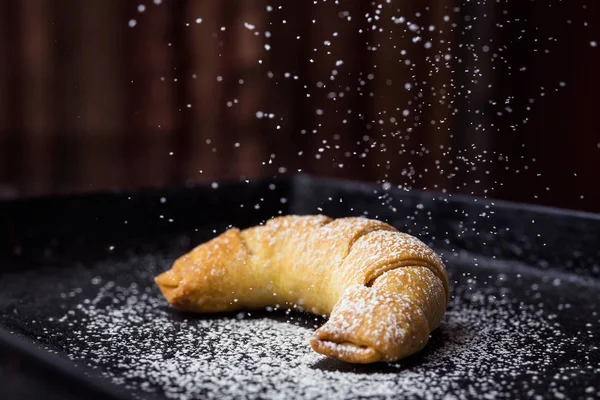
(502, 103)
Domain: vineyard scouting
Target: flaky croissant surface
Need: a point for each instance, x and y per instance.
(384, 291)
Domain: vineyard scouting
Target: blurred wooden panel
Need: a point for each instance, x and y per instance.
(551, 138)
(227, 85)
(151, 82)
(36, 52)
(11, 110)
(316, 56)
(584, 86)
(246, 93)
(102, 60)
(5, 65)
(412, 83)
(68, 66)
(441, 80)
(341, 93)
(473, 127)
(402, 82)
(66, 93)
(106, 93)
(204, 44)
(102, 90)
(285, 72)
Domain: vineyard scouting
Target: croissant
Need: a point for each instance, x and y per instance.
(384, 291)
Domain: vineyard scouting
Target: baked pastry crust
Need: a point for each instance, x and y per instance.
(384, 291)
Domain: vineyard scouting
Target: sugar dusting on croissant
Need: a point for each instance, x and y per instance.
(384, 291)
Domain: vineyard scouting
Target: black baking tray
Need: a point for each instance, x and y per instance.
(523, 320)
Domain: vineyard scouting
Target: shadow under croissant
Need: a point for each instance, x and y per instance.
(279, 314)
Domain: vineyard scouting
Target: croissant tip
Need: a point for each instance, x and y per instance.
(167, 279)
(345, 351)
(168, 283)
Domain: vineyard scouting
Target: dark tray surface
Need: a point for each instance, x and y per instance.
(513, 329)
(509, 334)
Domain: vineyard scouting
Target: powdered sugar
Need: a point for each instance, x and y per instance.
(489, 345)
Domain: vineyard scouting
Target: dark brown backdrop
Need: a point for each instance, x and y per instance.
(502, 99)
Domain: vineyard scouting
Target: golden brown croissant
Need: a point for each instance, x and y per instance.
(384, 291)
